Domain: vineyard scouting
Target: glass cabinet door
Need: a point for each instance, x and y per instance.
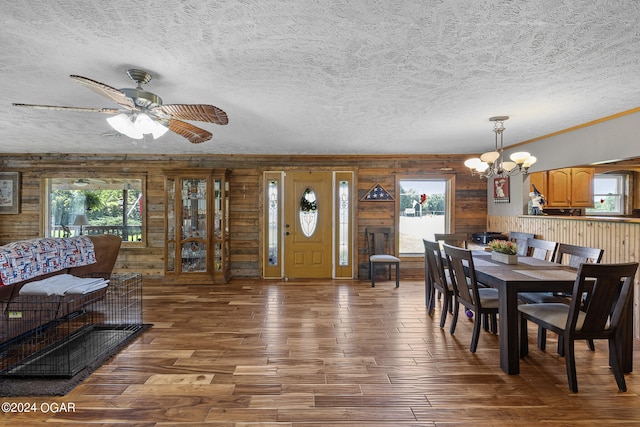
(218, 226)
(171, 225)
(194, 225)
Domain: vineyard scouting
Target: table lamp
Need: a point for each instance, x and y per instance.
(81, 220)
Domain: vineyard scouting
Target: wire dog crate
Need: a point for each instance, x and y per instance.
(59, 337)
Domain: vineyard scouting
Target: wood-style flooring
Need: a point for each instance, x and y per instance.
(328, 353)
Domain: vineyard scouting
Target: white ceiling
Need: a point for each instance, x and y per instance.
(320, 76)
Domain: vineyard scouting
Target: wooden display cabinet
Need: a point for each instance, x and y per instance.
(197, 226)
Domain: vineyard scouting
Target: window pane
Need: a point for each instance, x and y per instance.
(308, 212)
(608, 195)
(418, 220)
(343, 234)
(273, 221)
(111, 205)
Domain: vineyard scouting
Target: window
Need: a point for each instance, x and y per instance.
(110, 205)
(416, 220)
(608, 195)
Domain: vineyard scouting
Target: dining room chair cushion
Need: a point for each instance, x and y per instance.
(552, 313)
(384, 258)
(488, 297)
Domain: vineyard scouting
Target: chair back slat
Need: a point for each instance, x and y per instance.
(542, 249)
(608, 287)
(377, 240)
(454, 239)
(574, 255)
(520, 240)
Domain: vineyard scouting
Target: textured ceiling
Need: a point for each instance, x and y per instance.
(320, 77)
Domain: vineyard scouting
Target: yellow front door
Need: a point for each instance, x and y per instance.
(307, 225)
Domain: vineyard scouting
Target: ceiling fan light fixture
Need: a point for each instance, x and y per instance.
(137, 126)
(123, 124)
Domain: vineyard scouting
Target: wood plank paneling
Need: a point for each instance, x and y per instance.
(245, 188)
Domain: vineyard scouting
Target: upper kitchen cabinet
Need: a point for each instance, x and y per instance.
(569, 188)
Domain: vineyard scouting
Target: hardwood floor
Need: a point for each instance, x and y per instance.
(258, 353)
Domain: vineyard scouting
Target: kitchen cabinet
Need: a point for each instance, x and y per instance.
(539, 179)
(570, 188)
(197, 226)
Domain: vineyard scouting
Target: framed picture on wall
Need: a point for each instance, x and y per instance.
(9, 192)
(501, 190)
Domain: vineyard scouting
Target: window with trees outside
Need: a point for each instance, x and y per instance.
(423, 212)
(111, 205)
(608, 194)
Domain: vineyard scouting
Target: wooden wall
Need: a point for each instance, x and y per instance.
(245, 186)
(620, 240)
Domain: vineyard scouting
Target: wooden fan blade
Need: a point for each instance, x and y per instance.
(193, 133)
(81, 109)
(107, 91)
(197, 112)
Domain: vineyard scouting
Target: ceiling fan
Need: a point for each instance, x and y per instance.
(143, 113)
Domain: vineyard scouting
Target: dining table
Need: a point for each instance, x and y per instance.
(533, 275)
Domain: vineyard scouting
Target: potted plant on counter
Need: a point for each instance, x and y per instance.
(504, 251)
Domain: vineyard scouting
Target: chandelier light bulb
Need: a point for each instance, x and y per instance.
(490, 157)
(520, 157)
(472, 163)
(508, 166)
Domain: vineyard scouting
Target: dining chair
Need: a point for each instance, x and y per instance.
(454, 239)
(609, 287)
(572, 255)
(379, 246)
(481, 301)
(520, 239)
(542, 249)
(439, 281)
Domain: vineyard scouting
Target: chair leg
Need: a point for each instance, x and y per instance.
(485, 321)
(397, 274)
(617, 365)
(542, 338)
(494, 323)
(591, 345)
(570, 360)
(476, 334)
(454, 319)
(446, 304)
(372, 273)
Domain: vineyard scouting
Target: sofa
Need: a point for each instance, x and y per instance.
(27, 266)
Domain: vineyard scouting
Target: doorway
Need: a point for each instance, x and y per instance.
(308, 224)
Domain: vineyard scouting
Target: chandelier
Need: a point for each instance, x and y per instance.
(492, 163)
